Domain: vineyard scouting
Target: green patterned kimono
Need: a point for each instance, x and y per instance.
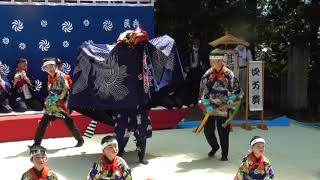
(58, 89)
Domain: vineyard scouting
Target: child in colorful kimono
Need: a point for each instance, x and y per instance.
(255, 165)
(110, 166)
(220, 88)
(40, 170)
(56, 103)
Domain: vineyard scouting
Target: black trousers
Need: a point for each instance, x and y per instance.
(46, 119)
(194, 80)
(136, 122)
(24, 105)
(209, 131)
(4, 103)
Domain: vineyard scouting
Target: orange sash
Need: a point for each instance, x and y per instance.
(219, 75)
(44, 174)
(112, 166)
(256, 163)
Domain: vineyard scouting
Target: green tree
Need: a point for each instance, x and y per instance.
(280, 32)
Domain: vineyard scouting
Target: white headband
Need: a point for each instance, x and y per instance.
(216, 57)
(48, 62)
(38, 151)
(258, 140)
(104, 145)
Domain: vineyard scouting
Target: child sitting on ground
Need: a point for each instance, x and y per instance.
(255, 165)
(40, 170)
(110, 166)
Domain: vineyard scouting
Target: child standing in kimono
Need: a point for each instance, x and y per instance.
(56, 103)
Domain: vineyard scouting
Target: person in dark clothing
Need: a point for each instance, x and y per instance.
(194, 66)
(136, 122)
(4, 92)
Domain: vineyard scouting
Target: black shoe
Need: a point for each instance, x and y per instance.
(5, 109)
(143, 161)
(212, 152)
(80, 143)
(224, 158)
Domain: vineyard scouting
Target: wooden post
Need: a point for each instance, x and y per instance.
(262, 125)
(247, 94)
(246, 125)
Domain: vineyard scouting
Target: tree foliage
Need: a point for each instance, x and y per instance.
(272, 26)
